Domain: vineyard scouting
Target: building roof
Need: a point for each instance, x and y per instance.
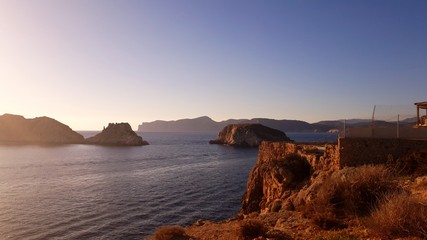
(421, 104)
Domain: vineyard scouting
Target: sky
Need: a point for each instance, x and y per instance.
(90, 62)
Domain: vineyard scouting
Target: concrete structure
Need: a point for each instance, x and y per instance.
(388, 132)
(352, 152)
(421, 121)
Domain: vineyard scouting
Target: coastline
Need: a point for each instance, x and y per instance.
(286, 214)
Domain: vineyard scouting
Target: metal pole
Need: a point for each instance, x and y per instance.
(398, 134)
(373, 122)
(345, 130)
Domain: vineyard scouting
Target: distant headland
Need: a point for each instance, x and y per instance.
(206, 124)
(17, 129)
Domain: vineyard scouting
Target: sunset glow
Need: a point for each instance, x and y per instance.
(88, 63)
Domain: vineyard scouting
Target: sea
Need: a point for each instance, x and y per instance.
(97, 192)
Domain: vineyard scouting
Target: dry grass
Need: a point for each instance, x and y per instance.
(251, 229)
(354, 191)
(400, 215)
(327, 221)
(350, 192)
(170, 233)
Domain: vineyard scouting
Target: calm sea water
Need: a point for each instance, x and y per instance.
(95, 192)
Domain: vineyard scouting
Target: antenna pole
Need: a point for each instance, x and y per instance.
(373, 121)
(398, 134)
(345, 127)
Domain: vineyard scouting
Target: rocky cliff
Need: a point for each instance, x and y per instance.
(281, 170)
(17, 129)
(120, 134)
(248, 135)
(300, 191)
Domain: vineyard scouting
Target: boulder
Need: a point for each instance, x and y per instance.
(248, 135)
(120, 134)
(41, 130)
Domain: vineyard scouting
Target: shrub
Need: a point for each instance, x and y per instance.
(251, 229)
(400, 215)
(327, 221)
(170, 233)
(350, 192)
(338, 237)
(292, 170)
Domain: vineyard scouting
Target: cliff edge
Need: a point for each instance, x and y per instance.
(300, 191)
(17, 129)
(248, 135)
(120, 134)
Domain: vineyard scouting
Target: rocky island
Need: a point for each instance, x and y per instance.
(120, 134)
(248, 135)
(16, 129)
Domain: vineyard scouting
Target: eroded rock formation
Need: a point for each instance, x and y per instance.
(120, 134)
(281, 171)
(248, 135)
(281, 177)
(17, 129)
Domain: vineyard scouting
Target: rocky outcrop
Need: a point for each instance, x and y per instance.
(248, 135)
(120, 134)
(281, 177)
(282, 169)
(17, 129)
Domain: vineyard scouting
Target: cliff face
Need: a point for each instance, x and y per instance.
(120, 134)
(248, 135)
(17, 129)
(282, 169)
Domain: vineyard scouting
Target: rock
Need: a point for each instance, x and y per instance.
(308, 193)
(274, 179)
(120, 134)
(17, 129)
(248, 135)
(199, 222)
(281, 171)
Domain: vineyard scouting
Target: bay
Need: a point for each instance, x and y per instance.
(96, 192)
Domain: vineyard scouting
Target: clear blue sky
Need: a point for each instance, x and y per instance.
(88, 63)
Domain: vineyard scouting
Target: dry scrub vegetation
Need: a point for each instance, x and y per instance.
(251, 229)
(350, 192)
(170, 233)
(373, 196)
(366, 202)
(400, 215)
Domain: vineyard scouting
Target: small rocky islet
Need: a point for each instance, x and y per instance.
(248, 135)
(120, 134)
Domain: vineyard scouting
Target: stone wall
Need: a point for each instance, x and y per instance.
(349, 152)
(360, 151)
(320, 157)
